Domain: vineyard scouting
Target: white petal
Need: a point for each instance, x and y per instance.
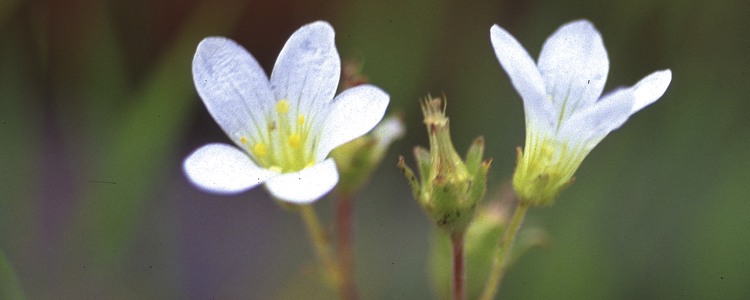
(224, 169)
(352, 114)
(588, 127)
(308, 68)
(574, 65)
(388, 130)
(232, 85)
(651, 88)
(307, 185)
(524, 75)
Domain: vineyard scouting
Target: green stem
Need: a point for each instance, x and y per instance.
(322, 245)
(502, 257)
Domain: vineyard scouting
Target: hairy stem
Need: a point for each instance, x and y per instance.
(502, 257)
(321, 243)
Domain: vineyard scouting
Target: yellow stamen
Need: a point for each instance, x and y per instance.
(547, 153)
(282, 106)
(260, 150)
(295, 141)
(284, 145)
(243, 140)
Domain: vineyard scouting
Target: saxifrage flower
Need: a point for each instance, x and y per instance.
(283, 127)
(566, 116)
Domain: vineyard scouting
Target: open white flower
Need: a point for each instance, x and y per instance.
(284, 127)
(565, 115)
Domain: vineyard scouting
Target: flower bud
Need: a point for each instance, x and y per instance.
(358, 159)
(449, 188)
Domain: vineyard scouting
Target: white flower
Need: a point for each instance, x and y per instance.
(284, 127)
(565, 115)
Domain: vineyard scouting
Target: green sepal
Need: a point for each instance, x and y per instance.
(424, 161)
(479, 181)
(474, 154)
(409, 174)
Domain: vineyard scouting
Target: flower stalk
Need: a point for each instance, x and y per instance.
(356, 161)
(502, 257)
(323, 250)
(459, 275)
(344, 231)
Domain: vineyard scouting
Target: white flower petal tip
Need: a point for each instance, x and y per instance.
(581, 26)
(223, 169)
(319, 28)
(308, 67)
(574, 64)
(353, 113)
(517, 62)
(651, 88)
(305, 186)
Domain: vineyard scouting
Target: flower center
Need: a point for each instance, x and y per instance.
(285, 144)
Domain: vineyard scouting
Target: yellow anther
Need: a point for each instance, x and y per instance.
(243, 140)
(282, 106)
(300, 119)
(260, 150)
(295, 141)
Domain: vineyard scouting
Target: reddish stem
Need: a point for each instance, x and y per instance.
(459, 279)
(344, 224)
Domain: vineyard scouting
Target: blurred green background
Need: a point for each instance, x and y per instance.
(97, 111)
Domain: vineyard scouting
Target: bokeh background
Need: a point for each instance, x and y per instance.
(98, 110)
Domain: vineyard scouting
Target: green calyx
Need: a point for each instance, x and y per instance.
(544, 169)
(449, 188)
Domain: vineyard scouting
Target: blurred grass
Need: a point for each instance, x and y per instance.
(94, 108)
(134, 135)
(20, 146)
(10, 288)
